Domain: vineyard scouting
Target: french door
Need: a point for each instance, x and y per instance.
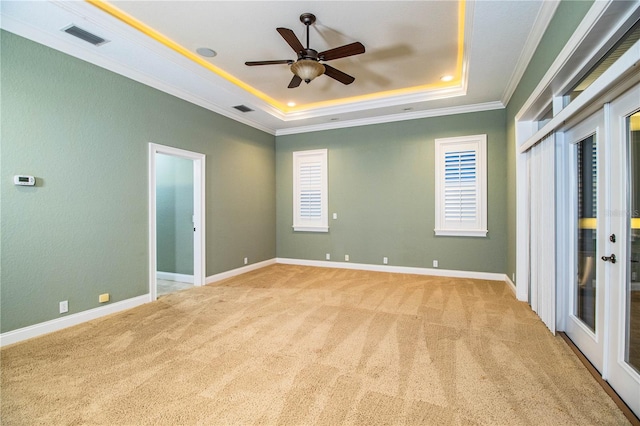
(587, 156)
(602, 314)
(623, 348)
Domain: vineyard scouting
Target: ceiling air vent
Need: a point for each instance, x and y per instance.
(85, 35)
(243, 108)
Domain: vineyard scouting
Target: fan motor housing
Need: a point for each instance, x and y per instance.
(308, 54)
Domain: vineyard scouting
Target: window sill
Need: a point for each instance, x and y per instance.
(461, 232)
(311, 228)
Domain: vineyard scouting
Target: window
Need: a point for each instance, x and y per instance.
(461, 186)
(310, 191)
(626, 42)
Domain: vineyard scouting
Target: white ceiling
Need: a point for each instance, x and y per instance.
(409, 45)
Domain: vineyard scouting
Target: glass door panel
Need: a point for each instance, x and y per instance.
(586, 289)
(633, 258)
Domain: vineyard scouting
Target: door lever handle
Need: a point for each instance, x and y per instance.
(611, 258)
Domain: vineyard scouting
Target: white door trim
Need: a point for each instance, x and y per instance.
(198, 213)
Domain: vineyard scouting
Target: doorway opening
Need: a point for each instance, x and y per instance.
(176, 219)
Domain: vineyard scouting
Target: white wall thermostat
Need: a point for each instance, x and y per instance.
(24, 180)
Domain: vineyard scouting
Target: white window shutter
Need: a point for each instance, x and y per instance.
(310, 210)
(461, 186)
(310, 190)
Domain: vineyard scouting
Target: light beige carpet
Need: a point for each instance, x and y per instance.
(289, 345)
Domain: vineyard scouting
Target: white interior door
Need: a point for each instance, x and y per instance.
(588, 172)
(623, 313)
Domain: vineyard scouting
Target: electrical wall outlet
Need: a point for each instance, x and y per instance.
(64, 306)
(103, 298)
(328, 256)
(346, 257)
(385, 260)
(435, 263)
(246, 260)
(335, 216)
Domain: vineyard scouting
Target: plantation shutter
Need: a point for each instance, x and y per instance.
(461, 186)
(310, 191)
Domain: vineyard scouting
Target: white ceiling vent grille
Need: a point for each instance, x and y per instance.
(84, 35)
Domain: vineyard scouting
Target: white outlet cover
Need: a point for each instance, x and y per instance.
(346, 257)
(435, 263)
(64, 306)
(328, 256)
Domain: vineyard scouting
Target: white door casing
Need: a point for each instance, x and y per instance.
(198, 210)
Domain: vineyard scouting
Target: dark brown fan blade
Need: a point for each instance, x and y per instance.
(342, 51)
(343, 78)
(290, 37)
(282, 61)
(295, 82)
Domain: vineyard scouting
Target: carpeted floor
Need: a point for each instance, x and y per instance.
(290, 345)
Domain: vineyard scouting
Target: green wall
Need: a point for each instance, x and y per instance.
(84, 132)
(382, 185)
(174, 214)
(566, 19)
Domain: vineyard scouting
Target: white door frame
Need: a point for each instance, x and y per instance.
(198, 213)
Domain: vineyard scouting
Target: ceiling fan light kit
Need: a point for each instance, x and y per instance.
(307, 69)
(308, 66)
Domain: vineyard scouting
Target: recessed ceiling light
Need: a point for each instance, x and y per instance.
(334, 119)
(206, 52)
(291, 104)
(446, 78)
(407, 109)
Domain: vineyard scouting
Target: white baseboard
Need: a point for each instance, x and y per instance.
(395, 269)
(510, 284)
(172, 276)
(239, 271)
(36, 330)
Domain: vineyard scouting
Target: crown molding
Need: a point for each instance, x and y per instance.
(543, 19)
(385, 102)
(414, 115)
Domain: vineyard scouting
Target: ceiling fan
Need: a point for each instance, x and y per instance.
(308, 66)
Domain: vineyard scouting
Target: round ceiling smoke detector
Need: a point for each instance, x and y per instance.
(206, 52)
